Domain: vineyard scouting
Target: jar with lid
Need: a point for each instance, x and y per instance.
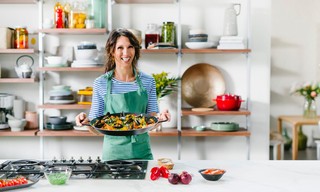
(78, 15)
(152, 35)
(58, 15)
(168, 33)
(20, 38)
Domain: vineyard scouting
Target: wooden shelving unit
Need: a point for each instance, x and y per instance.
(18, 80)
(17, 51)
(157, 51)
(8, 132)
(215, 51)
(71, 69)
(65, 133)
(189, 132)
(144, 1)
(95, 31)
(187, 111)
(64, 106)
(18, 1)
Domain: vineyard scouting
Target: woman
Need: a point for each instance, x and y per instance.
(123, 89)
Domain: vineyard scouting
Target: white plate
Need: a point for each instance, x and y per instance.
(201, 45)
(61, 101)
(81, 128)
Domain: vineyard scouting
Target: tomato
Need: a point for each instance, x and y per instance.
(16, 181)
(164, 172)
(10, 183)
(0, 184)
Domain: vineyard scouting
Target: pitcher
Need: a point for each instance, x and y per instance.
(230, 20)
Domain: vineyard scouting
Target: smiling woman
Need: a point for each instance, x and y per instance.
(123, 88)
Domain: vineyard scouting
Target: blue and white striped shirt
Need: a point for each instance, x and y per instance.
(118, 87)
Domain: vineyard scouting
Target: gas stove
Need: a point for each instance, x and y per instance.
(81, 169)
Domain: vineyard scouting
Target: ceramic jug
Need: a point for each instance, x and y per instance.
(230, 20)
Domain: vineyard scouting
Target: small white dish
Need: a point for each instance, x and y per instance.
(81, 128)
(201, 45)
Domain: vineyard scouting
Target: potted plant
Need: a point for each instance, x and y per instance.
(164, 87)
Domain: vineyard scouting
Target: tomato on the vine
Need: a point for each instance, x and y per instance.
(155, 173)
(164, 172)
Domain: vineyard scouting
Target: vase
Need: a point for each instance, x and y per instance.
(302, 140)
(169, 102)
(310, 108)
(287, 139)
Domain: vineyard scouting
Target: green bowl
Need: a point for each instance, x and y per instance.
(199, 127)
(224, 126)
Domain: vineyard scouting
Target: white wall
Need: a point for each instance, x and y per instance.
(295, 47)
(195, 14)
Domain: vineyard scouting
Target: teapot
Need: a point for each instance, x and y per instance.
(23, 66)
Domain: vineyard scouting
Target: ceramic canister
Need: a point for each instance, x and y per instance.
(32, 120)
(18, 108)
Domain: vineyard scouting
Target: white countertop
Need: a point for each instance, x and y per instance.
(255, 176)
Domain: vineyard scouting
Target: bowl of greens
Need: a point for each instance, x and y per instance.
(58, 175)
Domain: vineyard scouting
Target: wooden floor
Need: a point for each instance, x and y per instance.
(309, 154)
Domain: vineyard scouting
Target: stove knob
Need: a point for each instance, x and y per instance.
(89, 159)
(98, 159)
(54, 159)
(72, 160)
(63, 159)
(80, 160)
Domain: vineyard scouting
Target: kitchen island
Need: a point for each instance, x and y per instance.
(253, 176)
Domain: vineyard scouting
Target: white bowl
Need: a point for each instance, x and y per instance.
(17, 124)
(86, 54)
(55, 60)
(201, 45)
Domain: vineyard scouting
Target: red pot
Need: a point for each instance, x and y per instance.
(228, 102)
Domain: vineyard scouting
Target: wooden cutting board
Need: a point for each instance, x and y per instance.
(202, 109)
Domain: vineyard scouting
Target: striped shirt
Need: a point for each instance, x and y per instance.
(118, 87)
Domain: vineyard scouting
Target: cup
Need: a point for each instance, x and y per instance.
(32, 120)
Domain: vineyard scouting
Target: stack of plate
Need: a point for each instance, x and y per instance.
(198, 39)
(61, 94)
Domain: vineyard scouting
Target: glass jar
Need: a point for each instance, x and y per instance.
(66, 9)
(58, 15)
(152, 35)
(78, 15)
(97, 13)
(168, 33)
(21, 38)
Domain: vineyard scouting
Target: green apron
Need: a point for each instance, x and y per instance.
(126, 147)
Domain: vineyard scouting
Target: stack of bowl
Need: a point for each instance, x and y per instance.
(58, 123)
(61, 94)
(198, 39)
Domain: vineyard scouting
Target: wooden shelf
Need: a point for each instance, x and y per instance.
(164, 132)
(187, 111)
(156, 51)
(97, 31)
(70, 69)
(18, 1)
(17, 51)
(64, 106)
(18, 80)
(8, 132)
(144, 1)
(189, 132)
(212, 51)
(66, 133)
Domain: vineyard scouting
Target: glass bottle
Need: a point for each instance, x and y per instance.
(302, 140)
(97, 12)
(20, 38)
(66, 9)
(168, 33)
(287, 139)
(152, 35)
(58, 15)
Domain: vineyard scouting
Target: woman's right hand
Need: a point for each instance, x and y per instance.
(81, 119)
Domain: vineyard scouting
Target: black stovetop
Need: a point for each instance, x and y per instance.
(81, 169)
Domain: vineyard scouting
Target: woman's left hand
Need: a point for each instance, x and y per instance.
(165, 115)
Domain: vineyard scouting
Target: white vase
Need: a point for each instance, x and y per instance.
(169, 102)
(19, 108)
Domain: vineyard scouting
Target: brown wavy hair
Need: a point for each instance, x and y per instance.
(111, 45)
